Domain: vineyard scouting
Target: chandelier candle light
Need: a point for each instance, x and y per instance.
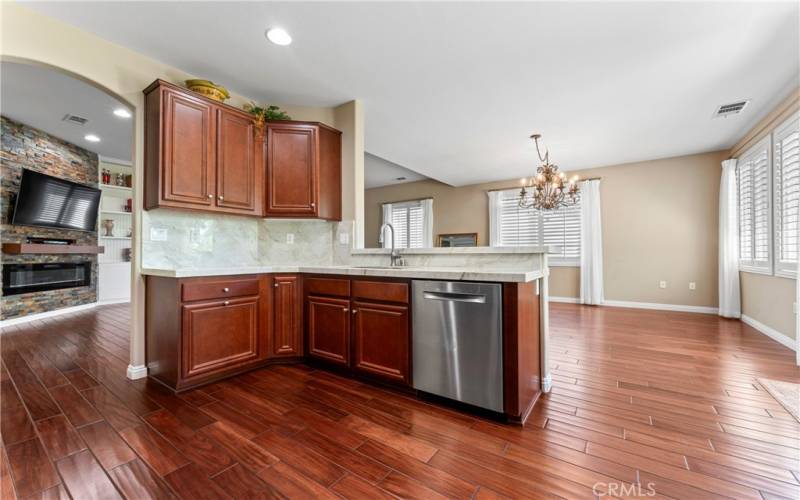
(548, 187)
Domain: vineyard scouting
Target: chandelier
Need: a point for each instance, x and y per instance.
(549, 187)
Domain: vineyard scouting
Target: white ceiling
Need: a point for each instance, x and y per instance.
(40, 97)
(453, 90)
(379, 172)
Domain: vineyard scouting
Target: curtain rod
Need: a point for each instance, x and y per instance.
(519, 186)
(406, 201)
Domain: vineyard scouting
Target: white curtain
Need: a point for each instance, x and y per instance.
(495, 201)
(387, 218)
(427, 223)
(591, 244)
(729, 301)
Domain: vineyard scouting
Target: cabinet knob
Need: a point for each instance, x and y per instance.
(355, 311)
(226, 289)
(226, 303)
(313, 205)
(220, 198)
(345, 309)
(210, 196)
(275, 285)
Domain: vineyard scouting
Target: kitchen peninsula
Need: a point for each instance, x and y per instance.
(353, 315)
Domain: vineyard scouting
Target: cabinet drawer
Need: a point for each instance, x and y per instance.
(202, 290)
(381, 290)
(328, 286)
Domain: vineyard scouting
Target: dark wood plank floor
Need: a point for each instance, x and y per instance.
(649, 403)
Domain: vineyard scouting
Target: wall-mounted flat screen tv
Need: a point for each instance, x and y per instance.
(48, 201)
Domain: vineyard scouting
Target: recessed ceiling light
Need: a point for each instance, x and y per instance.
(279, 36)
(122, 113)
(91, 138)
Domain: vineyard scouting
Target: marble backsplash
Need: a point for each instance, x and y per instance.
(196, 240)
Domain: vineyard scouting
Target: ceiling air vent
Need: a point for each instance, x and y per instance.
(734, 108)
(78, 120)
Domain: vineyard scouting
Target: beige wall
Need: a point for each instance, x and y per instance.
(659, 223)
(769, 299)
(29, 36)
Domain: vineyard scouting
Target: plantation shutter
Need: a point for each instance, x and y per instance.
(526, 226)
(755, 221)
(518, 226)
(408, 220)
(562, 227)
(745, 174)
(787, 196)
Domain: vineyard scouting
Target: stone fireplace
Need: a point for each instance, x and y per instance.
(27, 147)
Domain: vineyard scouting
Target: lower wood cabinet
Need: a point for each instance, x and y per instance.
(287, 330)
(203, 329)
(328, 329)
(370, 337)
(380, 337)
(219, 334)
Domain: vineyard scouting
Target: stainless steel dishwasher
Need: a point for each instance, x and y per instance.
(458, 341)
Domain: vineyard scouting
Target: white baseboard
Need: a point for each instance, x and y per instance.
(47, 314)
(770, 332)
(136, 372)
(112, 301)
(564, 300)
(661, 307)
(642, 305)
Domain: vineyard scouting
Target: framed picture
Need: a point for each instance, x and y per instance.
(458, 240)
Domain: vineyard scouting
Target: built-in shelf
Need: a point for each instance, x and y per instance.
(112, 186)
(39, 248)
(116, 212)
(115, 237)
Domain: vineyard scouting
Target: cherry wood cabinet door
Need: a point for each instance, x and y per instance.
(381, 337)
(238, 175)
(328, 329)
(286, 334)
(188, 151)
(291, 170)
(219, 335)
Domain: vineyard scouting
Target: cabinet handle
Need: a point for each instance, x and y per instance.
(226, 289)
(226, 303)
(210, 196)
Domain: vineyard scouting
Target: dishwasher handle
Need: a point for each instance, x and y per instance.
(455, 297)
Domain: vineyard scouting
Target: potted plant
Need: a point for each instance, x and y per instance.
(262, 114)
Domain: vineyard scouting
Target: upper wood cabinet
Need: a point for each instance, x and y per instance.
(204, 155)
(201, 154)
(304, 170)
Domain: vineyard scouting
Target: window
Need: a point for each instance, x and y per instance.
(786, 152)
(753, 171)
(412, 223)
(525, 226)
(769, 177)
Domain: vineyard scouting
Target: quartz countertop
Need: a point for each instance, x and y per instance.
(443, 273)
(459, 250)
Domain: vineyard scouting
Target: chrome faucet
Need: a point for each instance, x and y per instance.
(397, 260)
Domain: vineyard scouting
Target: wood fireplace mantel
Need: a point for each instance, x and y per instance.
(38, 248)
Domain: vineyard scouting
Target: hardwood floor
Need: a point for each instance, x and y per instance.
(646, 403)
